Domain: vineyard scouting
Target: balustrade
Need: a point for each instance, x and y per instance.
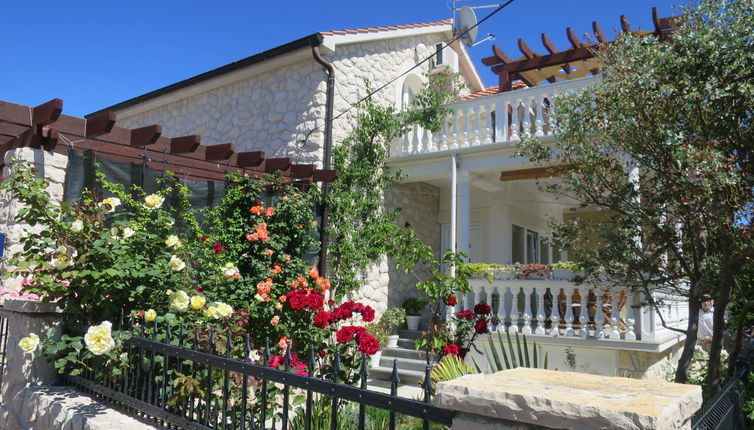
(500, 118)
(560, 308)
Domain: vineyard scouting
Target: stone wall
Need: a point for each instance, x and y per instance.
(419, 206)
(49, 164)
(28, 398)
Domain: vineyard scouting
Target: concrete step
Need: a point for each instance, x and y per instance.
(408, 377)
(409, 334)
(404, 363)
(407, 343)
(403, 353)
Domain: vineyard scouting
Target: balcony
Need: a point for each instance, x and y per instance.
(492, 121)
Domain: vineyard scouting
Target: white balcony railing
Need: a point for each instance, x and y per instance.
(528, 307)
(503, 117)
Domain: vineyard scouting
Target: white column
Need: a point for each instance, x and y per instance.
(501, 308)
(514, 310)
(527, 310)
(555, 314)
(584, 313)
(450, 310)
(464, 212)
(541, 311)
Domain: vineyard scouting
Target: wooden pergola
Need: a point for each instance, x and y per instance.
(577, 61)
(45, 127)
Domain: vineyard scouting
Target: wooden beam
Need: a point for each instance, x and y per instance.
(184, 144)
(575, 42)
(49, 138)
(13, 130)
(546, 60)
(506, 59)
(47, 113)
(251, 159)
(325, 175)
(531, 173)
(624, 24)
(145, 135)
(302, 171)
(278, 164)
(100, 124)
(219, 152)
(598, 32)
(547, 42)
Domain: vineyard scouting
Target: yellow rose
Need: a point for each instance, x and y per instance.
(150, 315)
(108, 205)
(197, 302)
(223, 309)
(172, 241)
(211, 312)
(179, 301)
(99, 339)
(153, 201)
(177, 264)
(29, 343)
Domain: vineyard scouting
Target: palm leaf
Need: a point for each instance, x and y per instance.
(526, 354)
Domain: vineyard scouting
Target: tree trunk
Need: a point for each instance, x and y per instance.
(718, 321)
(688, 347)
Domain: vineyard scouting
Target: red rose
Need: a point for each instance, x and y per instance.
(345, 334)
(482, 309)
(218, 248)
(451, 349)
(368, 344)
(481, 326)
(315, 301)
(450, 300)
(322, 319)
(467, 314)
(367, 314)
(340, 314)
(202, 239)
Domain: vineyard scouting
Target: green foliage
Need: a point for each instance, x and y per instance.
(184, 387)
(391, 319)
(487, 270)
(358, 223)
(414, 305)
(568, 265)
(511, 360)
(450, 367)
(678, 115)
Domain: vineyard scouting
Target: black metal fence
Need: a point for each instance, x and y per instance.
(196, 382)
(726, 410)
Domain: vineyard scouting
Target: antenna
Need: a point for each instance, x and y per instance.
(467, 20)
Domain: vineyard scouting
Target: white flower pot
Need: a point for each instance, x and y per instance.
(562, 274)
(392, 341)
(375, 359)
(412, 322)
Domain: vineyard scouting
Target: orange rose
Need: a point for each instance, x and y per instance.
(283, 299)
(268, 213)
(313, 273)
(256, 210)
(275, 321)
(283, 343)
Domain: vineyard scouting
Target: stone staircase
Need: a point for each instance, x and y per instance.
(411, 363)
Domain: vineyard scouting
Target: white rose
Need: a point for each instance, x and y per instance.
(77, 226)
(109, 204)
(172, 241)
(176, 263)
(29, 343)
(223, 309)
(153, 201)
(211, 312)
(128, 232)
(99, 339)
(179, 301)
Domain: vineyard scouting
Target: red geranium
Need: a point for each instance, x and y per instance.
(451, 349)
(467, 314)
(368, 344)
(322, 319)
(481, 326)
(450, 300)
(482, 309)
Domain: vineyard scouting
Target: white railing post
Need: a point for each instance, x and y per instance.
(614, 316)
(539, 122)
(630, 318)
(477, 140)
(584, 314)
(527, 310)
(501, 122)
(466, 127)
(569, 310)
(488, 137)
(599, 316)
(555, 314)
(514, 120)
(501, 308)
(527, 117)
(647, 320)
(514, 310)
(540, 311)
(415, 140)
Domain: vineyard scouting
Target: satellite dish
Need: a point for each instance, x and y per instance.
(467, 20)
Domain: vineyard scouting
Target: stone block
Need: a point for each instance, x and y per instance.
(562, 400)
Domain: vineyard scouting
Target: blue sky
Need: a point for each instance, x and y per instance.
(93, 54)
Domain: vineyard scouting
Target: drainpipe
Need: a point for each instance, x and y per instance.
(327, 150)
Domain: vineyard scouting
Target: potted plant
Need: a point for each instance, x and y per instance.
(414, 307)
(533, 271)
(564, 270)
(378, 332)
(390, 321)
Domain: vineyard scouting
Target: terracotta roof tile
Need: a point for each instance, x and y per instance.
(394, 27)
(490, 91)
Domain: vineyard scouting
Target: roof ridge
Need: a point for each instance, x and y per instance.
(386, 28)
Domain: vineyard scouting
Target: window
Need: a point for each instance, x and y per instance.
(530, 247)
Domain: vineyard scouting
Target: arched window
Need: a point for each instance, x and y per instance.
(411, 86)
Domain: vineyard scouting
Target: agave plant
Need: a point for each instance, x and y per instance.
(510, 360)
(448, 368)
